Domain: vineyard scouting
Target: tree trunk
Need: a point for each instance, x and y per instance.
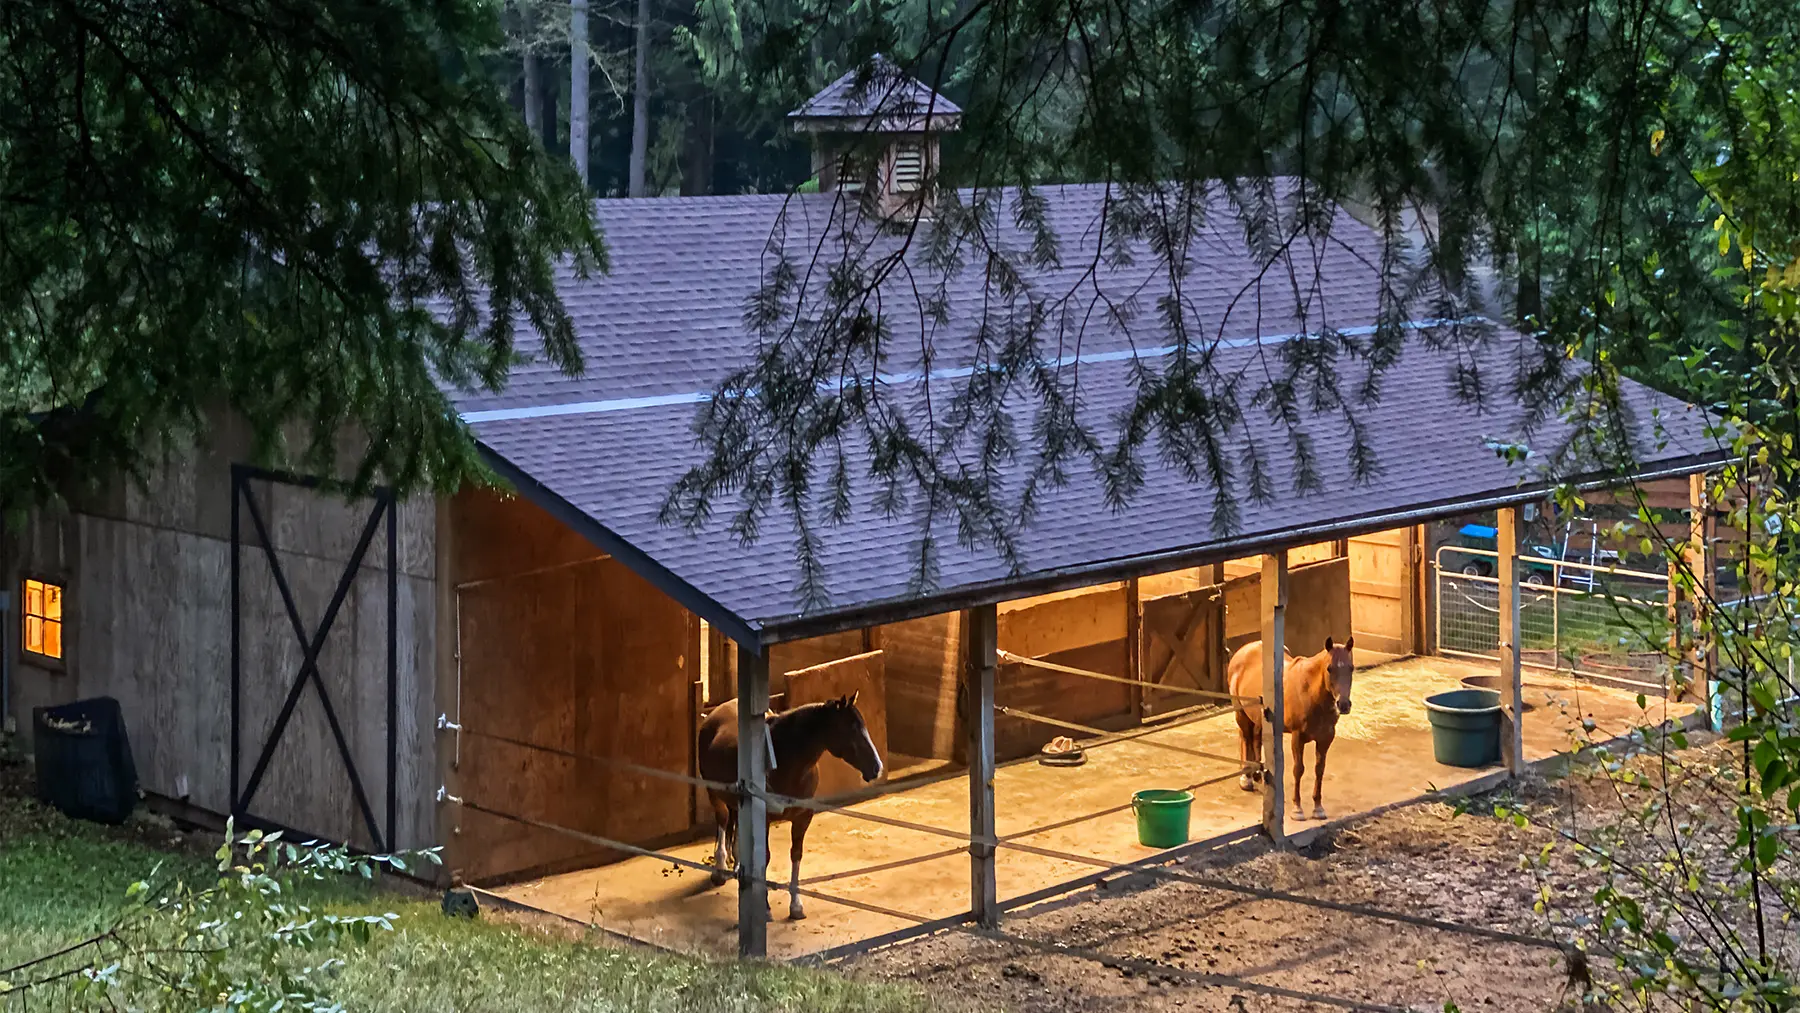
(578, 87)
(697, 172)
(548, 97)
(512, 21)
(640, 103)
(534, 71)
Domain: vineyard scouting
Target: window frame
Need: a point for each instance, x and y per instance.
(27, 656)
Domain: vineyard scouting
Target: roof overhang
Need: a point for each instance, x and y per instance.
(756, 637)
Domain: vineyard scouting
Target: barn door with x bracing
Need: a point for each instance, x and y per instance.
(313, 660)
(1182, 637)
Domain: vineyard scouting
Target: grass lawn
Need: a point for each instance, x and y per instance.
(61, 881)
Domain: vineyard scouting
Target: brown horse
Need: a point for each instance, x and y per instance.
(1317, 690)
(800, 738)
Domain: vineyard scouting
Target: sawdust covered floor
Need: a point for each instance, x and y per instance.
(1382, 756)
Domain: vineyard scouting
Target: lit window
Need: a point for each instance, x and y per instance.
(43, 619)
(909, 168)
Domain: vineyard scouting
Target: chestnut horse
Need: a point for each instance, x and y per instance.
(800, 738)
(1317, 690)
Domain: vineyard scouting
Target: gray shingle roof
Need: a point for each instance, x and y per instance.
(658, 332)
(888, 94)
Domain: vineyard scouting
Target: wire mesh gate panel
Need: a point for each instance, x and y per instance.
(1604, 623)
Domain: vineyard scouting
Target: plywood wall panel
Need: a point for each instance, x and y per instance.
(922, 661)
(564, 650)
(1066, 621)
(1061, 696)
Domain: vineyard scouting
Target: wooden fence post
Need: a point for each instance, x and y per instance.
(982, 640)
(1274, 641)
(1702, 533)
(1512, 689)
(753, 811)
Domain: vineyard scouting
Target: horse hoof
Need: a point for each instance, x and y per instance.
(1300, 815)
(1318, 812)
(1245, 783)
(796, 913)
(718, 877)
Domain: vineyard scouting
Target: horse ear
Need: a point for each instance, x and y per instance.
(1328, 643)
(1350, 645)
(850, 701)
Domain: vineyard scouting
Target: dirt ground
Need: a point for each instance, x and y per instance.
(1152, 944)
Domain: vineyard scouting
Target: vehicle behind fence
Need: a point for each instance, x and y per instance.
(1605, 623)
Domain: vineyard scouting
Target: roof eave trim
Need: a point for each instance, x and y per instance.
(746, 634)
(993, 592)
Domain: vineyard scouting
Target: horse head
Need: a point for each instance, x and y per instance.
(1339, 669)
(848, 738)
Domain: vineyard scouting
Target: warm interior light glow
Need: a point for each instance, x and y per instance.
(43, 614)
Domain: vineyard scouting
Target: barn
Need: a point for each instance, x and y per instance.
(517, 676)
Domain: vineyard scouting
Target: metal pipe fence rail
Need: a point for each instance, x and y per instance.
(1605, 623)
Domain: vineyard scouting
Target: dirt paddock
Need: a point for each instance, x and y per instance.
(1382, 757)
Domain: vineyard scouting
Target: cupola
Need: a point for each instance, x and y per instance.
(875, 132)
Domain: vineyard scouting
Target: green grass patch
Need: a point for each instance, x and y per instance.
(61, 881)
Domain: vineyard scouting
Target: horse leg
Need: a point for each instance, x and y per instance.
(1249, 750)
(1319, 779)
(1298, 756)
(731, 835)
(721, 818)
(796, 846)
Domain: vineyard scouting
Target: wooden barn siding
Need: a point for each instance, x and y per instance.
(586, 658)
(147, 570)
(923, 665)
(1383, 592)
(1318, 606)
(1083, 629)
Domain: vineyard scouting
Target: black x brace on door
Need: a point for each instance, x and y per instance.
(312, 643)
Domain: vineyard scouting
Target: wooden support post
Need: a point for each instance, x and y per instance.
(1134, 652)
(1274, 641)
(1512, 689)
(753, 811)
(1702, 534)
(982, 633)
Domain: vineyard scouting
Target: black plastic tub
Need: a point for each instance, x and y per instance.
(84, 765)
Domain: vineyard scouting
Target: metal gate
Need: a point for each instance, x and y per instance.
(1605, 623)
(311, 642)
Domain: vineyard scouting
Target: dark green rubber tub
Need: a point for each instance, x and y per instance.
(1465, 727)
(1162, 816)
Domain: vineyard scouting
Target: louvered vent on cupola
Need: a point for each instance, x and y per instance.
(909, 168)
(875, 131)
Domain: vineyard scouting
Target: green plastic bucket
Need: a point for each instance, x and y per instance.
(1162, 816)
(1465, 727)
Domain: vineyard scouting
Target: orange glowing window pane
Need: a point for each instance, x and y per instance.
(43, 614)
